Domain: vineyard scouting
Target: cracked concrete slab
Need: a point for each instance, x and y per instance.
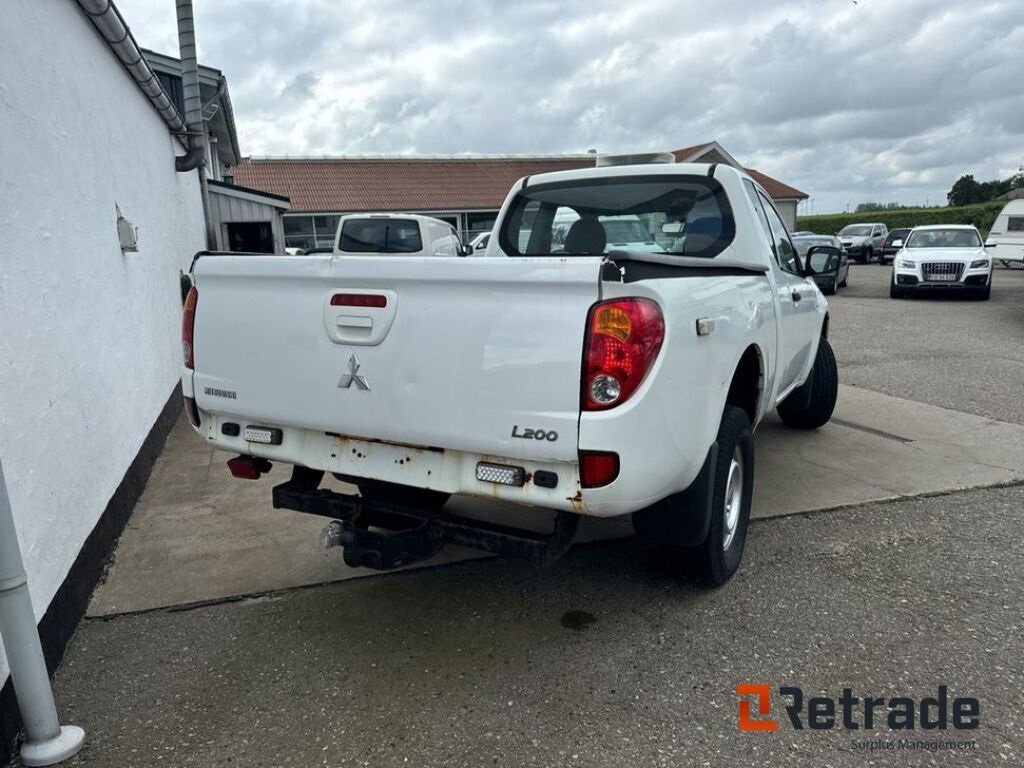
(199, 535)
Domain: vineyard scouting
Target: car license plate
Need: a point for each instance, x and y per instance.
(942, 277)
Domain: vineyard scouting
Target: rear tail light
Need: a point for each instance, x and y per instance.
(248, 467)
(623, 339)
(598, 468)
(188, 323)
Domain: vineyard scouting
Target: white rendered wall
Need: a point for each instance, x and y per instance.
(89, 337)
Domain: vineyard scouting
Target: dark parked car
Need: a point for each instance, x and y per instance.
(831, 275)
(889, 247)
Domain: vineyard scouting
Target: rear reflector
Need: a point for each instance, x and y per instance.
(264, 435)
(500, 474)
(248, 467)
(358, 300)
(192, 410)
(598, 468)
(188, 324)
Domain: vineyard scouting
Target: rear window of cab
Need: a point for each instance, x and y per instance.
(685, 215)
(383, 235)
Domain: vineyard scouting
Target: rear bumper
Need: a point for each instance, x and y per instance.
(445, 470)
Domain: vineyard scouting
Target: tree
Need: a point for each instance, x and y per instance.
(966, 191)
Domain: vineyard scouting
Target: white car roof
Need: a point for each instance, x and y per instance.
(945, 226)
(652, 169)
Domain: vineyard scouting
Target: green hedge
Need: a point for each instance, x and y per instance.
(982, 216)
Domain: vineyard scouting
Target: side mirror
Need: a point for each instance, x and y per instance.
(991, 244)
(465, 250)
(821, 260)
(896, 243)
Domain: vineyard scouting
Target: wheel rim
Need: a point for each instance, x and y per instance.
(733, 499)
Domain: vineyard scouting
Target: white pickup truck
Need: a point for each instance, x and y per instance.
(552, 372)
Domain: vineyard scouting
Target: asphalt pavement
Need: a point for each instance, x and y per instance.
(600, 660)
(948, 351)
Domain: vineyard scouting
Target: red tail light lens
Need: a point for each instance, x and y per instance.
(358, 300)
(598, 468)
(248, 467)
(188, 323)
(623, 339)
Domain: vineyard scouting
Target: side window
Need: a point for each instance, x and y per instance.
(785, 253)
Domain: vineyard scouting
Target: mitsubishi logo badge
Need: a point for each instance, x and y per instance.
(353, 376)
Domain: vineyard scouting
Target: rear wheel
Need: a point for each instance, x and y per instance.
(392, 493)
(811, 405)
(717, 558)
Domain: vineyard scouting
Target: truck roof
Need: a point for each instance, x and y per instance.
(647, 169)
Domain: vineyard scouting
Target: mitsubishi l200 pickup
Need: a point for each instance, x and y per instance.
(554, 371)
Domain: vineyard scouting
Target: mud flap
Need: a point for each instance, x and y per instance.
(682, 519)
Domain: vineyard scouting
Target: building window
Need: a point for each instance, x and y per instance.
(478, 223)
(306, 231)
(298, 232)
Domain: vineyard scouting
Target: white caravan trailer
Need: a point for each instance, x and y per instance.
(1005, 241)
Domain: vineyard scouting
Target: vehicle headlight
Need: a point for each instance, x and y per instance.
(979, 263)
(905, 264)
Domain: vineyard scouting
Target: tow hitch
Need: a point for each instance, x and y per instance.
(383, 535)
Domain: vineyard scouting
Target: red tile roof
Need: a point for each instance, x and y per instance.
(417, 183)
(396, 183)
(776, 188)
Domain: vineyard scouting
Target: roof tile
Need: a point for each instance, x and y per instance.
(417, 183)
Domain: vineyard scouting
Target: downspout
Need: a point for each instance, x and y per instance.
(46, 740)
(113, 29)
(195, 158)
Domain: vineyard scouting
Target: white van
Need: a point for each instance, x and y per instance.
(1005, 242)
(399, 234)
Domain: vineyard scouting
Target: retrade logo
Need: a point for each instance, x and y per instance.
(852, 713)
(762, 694)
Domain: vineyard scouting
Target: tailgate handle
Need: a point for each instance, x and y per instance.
(359, 316)
(348, 321)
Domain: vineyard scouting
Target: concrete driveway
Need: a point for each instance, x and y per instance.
(201, 651)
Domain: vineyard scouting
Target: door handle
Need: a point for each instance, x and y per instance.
(796, 295)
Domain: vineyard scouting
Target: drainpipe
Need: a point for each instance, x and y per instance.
(195, 158)
(46, 741)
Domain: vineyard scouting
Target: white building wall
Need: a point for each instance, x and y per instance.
(787, 210)
(89, 336)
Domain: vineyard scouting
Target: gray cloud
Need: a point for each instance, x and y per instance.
(879, 100)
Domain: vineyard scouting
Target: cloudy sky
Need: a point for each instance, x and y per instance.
(888, 100)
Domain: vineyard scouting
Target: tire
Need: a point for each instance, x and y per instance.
(984, 294)
(868, 255)
(811, 406)
(717, 558)
(896, 293)
(419, 498)
(831, 290)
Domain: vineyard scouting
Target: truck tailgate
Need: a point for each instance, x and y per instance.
(468, 354)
